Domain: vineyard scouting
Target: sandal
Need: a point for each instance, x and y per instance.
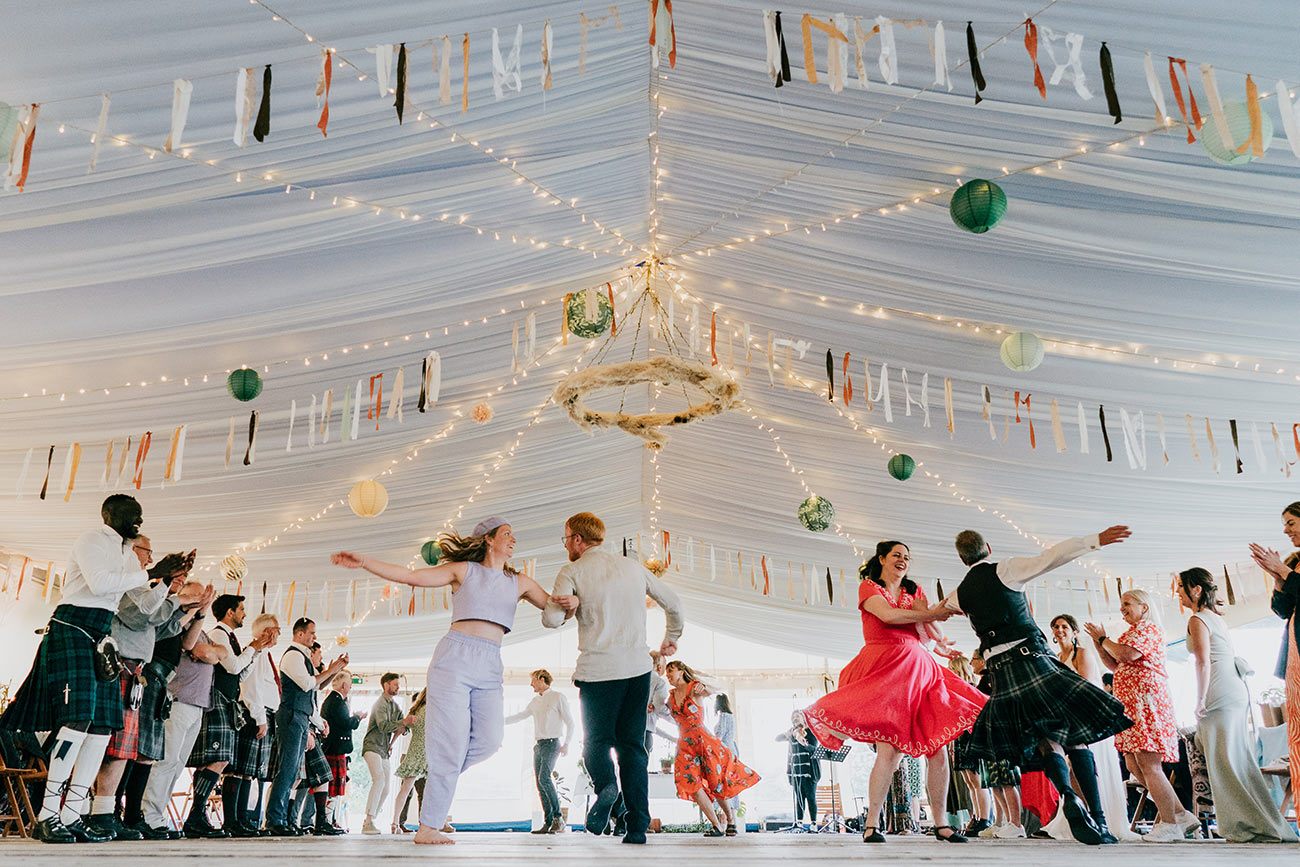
(731, 830)
(954, 837)
(871, 834)
(713, 832)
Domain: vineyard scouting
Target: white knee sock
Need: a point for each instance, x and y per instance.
(104, 804)
(90, 757)
(63, 756)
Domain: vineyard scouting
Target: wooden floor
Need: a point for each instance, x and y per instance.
(755, 850)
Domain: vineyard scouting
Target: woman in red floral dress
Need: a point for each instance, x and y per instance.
(705, 770)
(1142, 684)
(894, 694)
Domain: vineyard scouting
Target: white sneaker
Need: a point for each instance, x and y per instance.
(990, 831)
(1165, 832)
(369, 828)
(1190, 825)
(1009, 832)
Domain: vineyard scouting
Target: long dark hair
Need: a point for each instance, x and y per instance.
(872, 569)
(1198, 577)
(722, 704)
(1074, 625)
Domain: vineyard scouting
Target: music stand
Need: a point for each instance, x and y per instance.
(835, 822)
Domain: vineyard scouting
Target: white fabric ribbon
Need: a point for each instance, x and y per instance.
(432, 379)
(1211, 84)
(293, 411)
(98, 138)
(837, 54)
(924, 402)
(443, 61)
(1288, 112)
(773, 45)
(1058, 433)
(771, 359)
(356, 411)
(27, 465)
(530, 337)
(230, 444)
(1083, 430)
(585, 24)
(1164, 443)
(397, 399)
(182, 90)
(180, 454)
(1191, 438)
(108, 467)
(1072, 69)
(860, 37)
(942, 76)
(1281, 456)
(548, 43)
(888, 50)
(744, 336)
(1259, 446)
(693, 333)
(1153, 85)
(383, 67)
(1135, 438)
(507, 73)
(882, 393)
(245, 96)
(663, 27)
(326, 410)
(311, 424)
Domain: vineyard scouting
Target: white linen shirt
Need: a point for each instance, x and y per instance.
(258, 691)
(551, 717)
(101, 568)
(220, 635)
(295, 665)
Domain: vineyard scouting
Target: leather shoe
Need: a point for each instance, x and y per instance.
(241, 830)
(598, 815)
(634, 837)
(281, 831)
(86, 834)
(1081, 824)
(148, 833)
(325, 829)
(52, 830)
(107, 823)
(1106, 836)
(200, 828)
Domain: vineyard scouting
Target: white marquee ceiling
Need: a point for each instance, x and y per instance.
(165, 266)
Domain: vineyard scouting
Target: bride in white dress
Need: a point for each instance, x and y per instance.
(1082, 658)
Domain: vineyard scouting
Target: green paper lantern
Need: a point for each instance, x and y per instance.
(575, 314)
(1022, 351)
(244, 384)
(1238, 118)
(816, 513)
(978, 206)
(901, 467)
(431, 552)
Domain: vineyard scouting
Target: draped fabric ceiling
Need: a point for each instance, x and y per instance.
(161, 265)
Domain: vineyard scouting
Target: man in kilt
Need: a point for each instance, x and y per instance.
(342, 722)
(260, 694)
(145, 613)
(214, 748)
(63, 693)
(1039, 709)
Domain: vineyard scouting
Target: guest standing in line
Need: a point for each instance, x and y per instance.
(465, 698)
(724, 728)
(1243, 807)
(386, 723)
(552, 734)
(259, 692)
(894, 694)
(338, 743)
(705, 770)
(1142, 683)
(1285, 600)
(413, 767)
(607, 593)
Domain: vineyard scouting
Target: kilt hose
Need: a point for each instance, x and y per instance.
(253, 754)
(125, 742)
(154, 708)
(216, 740)
(1037, 697)
(339, 769)
(61, 687)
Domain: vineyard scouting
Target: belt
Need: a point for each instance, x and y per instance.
(1019, 653)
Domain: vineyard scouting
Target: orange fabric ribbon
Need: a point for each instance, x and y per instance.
(327, 74)
(767, 581)
(672, 28)
(613, 314)
(27, 145)
(668, 554)
(72, 476)
(1295, 433)
(410, 611)
(564, 319)
(1256, 140)
(141, 453)
(1031, 45)
(464, 86)
(373, 410)
(848, 383)
(713, 337)
(1178, 97)
(831, 31)
(1033, 441)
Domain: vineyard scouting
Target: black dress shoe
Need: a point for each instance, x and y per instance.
(199, 828)
(281, 831)
(240, 830)
(52, 830)
(86, 834)
(107, 823)
(148, 833)
(1106, 836)
(1081, 824)
(325, 829)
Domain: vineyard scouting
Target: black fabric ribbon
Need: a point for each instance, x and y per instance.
(830, 377)
(263, 597)
(1101, 414)
(938, 587)
(262, 127)
(976, 75)
(830, 588)
(252, 432)
(784, 74)
(1236, 450)
(424, 384)
(48, 461)
(401, 81)
(1108, 82)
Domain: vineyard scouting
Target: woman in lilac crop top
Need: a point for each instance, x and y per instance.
(465, 704)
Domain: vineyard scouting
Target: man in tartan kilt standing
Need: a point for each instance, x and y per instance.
(63, 693)
(260, 694)
(1039, 708)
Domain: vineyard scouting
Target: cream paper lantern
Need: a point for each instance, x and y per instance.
(1022, 351)
(234, 568)
(368, 499)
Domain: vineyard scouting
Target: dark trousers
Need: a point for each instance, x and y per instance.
(613, 718)
(805, 798)
(545, 751)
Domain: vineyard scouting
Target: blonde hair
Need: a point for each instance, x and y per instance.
(542, 675)
(469, 549)
(587, 526)
(419, 701)
(1144, 598)
(960, 666)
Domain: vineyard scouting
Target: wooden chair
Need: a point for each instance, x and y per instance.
(830, 807)
(15, 780)
(1144, 796)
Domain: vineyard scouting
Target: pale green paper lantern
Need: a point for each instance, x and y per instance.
(575, 314)
(1238, 118)
(816, 514)
(1022, 351)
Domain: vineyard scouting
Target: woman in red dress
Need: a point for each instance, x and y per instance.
(894, 694)
(705, 770)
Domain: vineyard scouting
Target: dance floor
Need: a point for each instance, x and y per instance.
(755, 850)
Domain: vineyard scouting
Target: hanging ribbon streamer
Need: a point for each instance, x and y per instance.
(121, 463)
(249, 454)
(395, 402)
(662, 32)
(1236, 447)
(1191, 438)
(179, 464)
(1288, 112)
(323, 91)
(1255, 144)
(1277, 447)
(767, 581)
(830, 588)
(430, 381)
(507, 73)
(347, 408)
(464, 74)
(830, 376)
(142, 453)
(940, 50)
(1211, 85)
(327, 410)
(108, 467)
(20, 152)
(27, 465)
(834, 70)
(778, 61)
(888, 62)
(49, 461)
(585, 24)
(1135, 438)
(1195, 122)
(848, 383)
(713, 337)
(1153, 85)
(182, 90)
(1108, 84)
(947, 404)
(1164, 443)
(1058, 433)
(1033, 440)
(988, 411)
(245, 90)
(530, 336)
(1031, 45)
(1105, 435)
(1214, 447)
(547, 43)
(399, 99)
(860, 38)
(98, 138)
(972, 55)
(356, 411)
(444, 70)
(882, 393)
(383, 67)
(1227, 583)
(924, 403)
(262, 127)
(1259, 446)
(1072, 69)
(613, 312)
(564, 321)
(771, 369)
(75, 455)
(375, 408)
(293, 412)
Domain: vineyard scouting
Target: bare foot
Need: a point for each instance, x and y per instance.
(431, 836)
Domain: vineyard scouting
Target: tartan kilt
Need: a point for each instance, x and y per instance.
(155, 707)
(125, 742)
(252, 754)
(962, 760)
(317, 767)
(216, 740)
(61, 686)
(339, 780)
(1035, 697)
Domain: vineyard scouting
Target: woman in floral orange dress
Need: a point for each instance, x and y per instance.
(705, 770)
